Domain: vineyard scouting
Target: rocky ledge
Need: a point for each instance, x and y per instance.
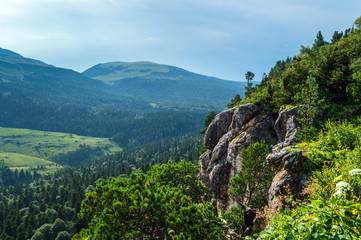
(235, 129)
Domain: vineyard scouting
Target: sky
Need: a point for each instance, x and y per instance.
(220, 38)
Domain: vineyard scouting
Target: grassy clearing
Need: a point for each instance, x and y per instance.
(26, 148)
(19, 161)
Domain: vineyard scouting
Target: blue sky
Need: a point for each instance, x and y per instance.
(221, 38)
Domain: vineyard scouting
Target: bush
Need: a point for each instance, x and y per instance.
(334, 218)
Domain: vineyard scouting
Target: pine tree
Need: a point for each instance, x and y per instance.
(249, 88)
(319, 41)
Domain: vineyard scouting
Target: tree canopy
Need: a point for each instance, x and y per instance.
(168, 202)
(334, 66)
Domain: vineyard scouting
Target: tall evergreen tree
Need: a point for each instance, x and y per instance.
(249, 88)
(319, 41)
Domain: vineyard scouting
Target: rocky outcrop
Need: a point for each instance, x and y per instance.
(235, 129)
(230, 132)
(290, 177)
(286, 161)
(286, 126)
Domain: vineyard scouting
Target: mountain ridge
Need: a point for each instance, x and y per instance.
(144, 84)
(163, 83)
(39, 96)
(118, 70)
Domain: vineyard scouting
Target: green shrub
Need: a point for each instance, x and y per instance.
(168, 203)
(334, 218)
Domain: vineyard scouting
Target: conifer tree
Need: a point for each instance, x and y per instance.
(319, 41)
(249, 88)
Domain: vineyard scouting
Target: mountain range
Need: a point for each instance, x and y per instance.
(130, 86)
(128, 102)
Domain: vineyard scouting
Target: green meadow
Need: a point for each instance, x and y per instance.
(48, 151)
(20, 161)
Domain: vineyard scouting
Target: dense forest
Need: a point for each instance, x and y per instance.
(127, 128)
(47, 207)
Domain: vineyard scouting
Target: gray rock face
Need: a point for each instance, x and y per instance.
(289, 180)
(235, 129)
(244, 114)
(286, 124)
(229, 133)
(218, 128)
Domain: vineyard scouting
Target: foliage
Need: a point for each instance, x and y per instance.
(235, 218)
(235, 101)
(336, 145)
(167, 202)
(27, 201)
(252, 182)
(336, 36)
(335, 69)
(336, 152)
(208, 121)
(334, 211)
(308, 100)
(319, 41)
(249, 89)
(64, 235)
(334, 218)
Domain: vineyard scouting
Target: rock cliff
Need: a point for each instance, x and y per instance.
(235, 129)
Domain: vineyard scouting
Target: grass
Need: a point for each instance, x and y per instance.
(20, 161)
(25, 148)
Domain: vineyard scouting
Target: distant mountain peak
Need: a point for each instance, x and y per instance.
(7, 52)
(163, 84)
(10, 56)
(114, 71)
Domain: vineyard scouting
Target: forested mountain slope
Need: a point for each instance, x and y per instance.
(34, 78)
